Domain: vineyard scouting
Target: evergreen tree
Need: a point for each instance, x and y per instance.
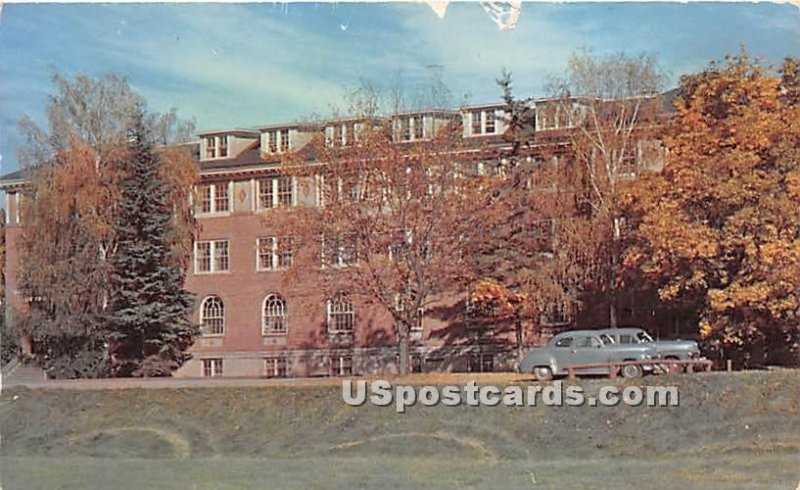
(148, 311)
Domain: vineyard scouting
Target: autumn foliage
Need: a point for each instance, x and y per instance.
(718, 229)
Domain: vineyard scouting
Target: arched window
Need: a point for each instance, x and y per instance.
(341, 314)
(274, 315)
(212, 316)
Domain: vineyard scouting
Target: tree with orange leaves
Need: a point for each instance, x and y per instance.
(389, 223)
(718, 229)
(69, 212)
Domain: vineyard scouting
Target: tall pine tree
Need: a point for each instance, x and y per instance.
(148, 314)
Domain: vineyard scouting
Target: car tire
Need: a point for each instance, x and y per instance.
(631, 371)
(542, 373)
(673, 368)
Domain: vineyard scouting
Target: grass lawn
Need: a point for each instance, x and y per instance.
(737, 430)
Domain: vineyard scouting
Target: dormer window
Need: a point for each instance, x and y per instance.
(476, 122)
(405, 129)
(490, 122)
(216, 146)
(338, 135)
(278, 141)
(419, 127)
(483, 122)
(284, 140)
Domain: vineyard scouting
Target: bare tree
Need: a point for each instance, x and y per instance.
(607, 108)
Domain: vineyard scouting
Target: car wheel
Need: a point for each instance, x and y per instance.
(631, 371)
(542, 373)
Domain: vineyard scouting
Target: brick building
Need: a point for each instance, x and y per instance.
(253, 324)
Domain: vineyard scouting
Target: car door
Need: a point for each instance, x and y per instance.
(562, 352)
(589, 349)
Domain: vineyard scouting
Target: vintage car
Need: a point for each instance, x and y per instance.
(682, 350)
(582, 347)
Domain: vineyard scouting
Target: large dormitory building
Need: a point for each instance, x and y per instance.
(253, 327)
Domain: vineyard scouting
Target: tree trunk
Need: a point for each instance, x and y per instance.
(518, 331)
(612, 287)
(26, 343)
(403, 354)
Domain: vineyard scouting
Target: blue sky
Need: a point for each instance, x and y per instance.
(254, 64)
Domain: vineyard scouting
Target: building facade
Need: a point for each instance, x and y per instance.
(256, 323)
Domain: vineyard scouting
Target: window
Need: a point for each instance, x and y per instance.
(342, 365)
(274, 253)
(278, 141)
(416, 363)
(481, 363)
(476, 122)
(221, 198)
(405, 129)
(588, 342)
(276, 367)
(626, 339)
(274, 315)
(216, 146)
(284, 140)
(285, 252)
(212, 316)
(338, 138)
(214, 198)
(419, 127)
(211, 256)
(490, 124)
(266, 193)
(556, 315)
(401, 244)
(564, 342)
(399, 306)
(627, 163)
(341, 314)
(272, 141)
(285, 194)
(212, 368)
(340, 251)
(275, 191)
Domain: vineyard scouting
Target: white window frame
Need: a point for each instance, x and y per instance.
(272, 366)
(487, 116)
(203, 315)
(212, 257)
(278, 309)
(476, 125)
(274, 183)
(212, 367)
(418, 132)
(212, 191)
(275, 253)
(346, 307)
(216, 147)
(338, 363)
(341, 241)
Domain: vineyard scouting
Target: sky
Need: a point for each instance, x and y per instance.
(244, 65)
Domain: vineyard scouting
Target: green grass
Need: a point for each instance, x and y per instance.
(730, 431)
